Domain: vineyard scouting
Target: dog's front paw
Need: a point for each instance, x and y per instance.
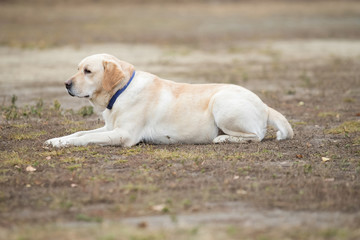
(57, 142)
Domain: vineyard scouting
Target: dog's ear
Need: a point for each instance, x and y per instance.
(113, 75)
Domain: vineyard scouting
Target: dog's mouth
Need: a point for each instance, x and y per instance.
(73, 95)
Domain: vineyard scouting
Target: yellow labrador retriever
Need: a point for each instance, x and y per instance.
(139, 106)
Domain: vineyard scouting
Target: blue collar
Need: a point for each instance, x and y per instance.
(120, 91)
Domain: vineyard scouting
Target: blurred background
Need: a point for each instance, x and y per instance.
(199, 23)
(248, 42)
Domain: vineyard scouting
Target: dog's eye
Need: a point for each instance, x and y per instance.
(87, 71)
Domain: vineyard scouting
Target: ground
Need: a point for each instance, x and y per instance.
(301, 58)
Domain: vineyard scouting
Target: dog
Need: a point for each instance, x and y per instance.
(140, 107)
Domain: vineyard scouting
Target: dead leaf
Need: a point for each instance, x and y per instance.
(30, 169)
(241, 192)
(159, 207)
(48, 157)
(73, 185)
(142, 224)
(325, 159)
(299, 156)
(37, 182)
(236, 177)
(285, 164)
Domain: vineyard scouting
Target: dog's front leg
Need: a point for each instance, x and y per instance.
(57, 142)
(113, 137)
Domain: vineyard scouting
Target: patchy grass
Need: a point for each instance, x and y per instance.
(10, 159)
(184, 178)
(346, 127)
(328, 114)
(29, 135)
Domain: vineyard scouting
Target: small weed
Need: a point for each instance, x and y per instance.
(53, 153)
(138, 188)
(334, 234)
(166, 209)
(86, 111)
(349, 100)
(328, 114)
(304, 77)
(131, 151)
(65, 204)
(72, 160)
(13, 112)
(261, 153)
(291, 92)
(79, 149)
(120, 161)
(245, 77)
(308, 168)
(244, 170)
(74, 167)
(103, 178)
(20, 126)
(86, 218)
(37, 109)
(57, 106)
(298, 123)
(186, 203)
(3, 179)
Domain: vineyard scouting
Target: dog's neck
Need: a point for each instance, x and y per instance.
(118, 92)
(105, 100)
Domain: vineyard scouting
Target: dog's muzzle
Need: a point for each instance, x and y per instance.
(68, 85)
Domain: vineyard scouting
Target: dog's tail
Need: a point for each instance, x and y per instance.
(278, 121)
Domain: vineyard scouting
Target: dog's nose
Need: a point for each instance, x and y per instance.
(68, 84)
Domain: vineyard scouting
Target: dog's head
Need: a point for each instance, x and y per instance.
(99, 76)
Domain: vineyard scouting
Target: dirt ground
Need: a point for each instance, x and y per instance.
(301, 58)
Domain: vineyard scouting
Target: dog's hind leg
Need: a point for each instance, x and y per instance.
(240, 118)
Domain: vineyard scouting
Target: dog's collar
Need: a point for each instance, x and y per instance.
(118, 92)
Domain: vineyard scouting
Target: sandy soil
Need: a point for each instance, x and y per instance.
(301, 59)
